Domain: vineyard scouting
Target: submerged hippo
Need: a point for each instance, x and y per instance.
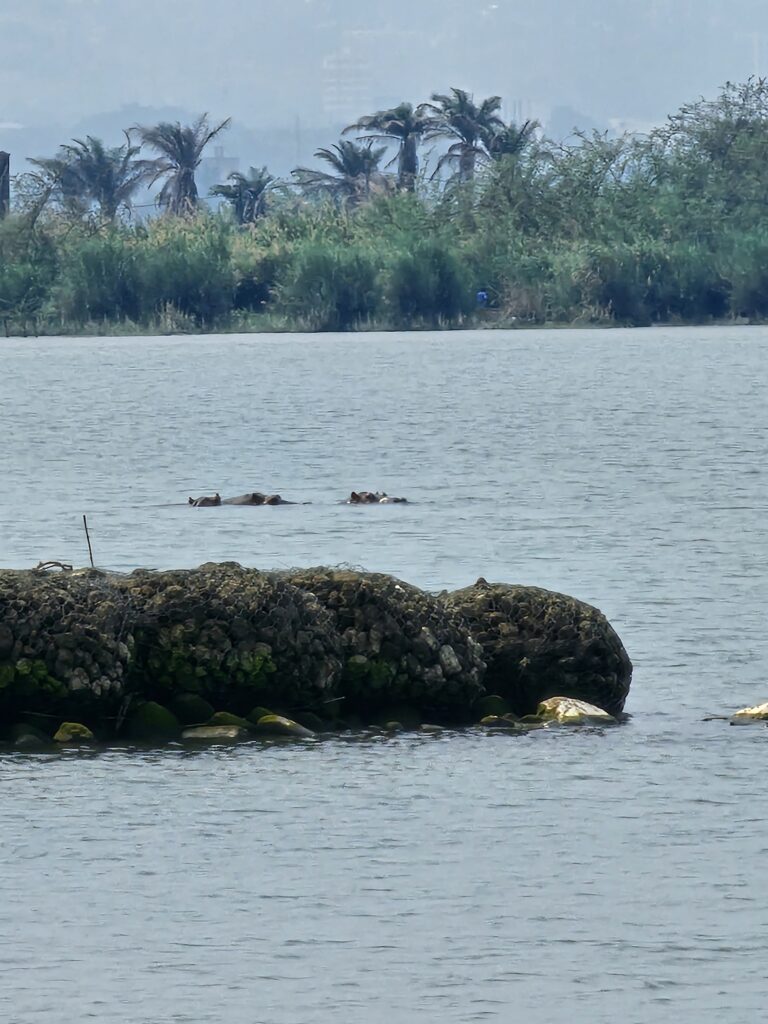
(206, 502)
(373, 498)
(257, 498)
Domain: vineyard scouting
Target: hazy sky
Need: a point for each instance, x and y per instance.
(269, 62)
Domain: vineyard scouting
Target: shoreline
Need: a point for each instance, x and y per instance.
(113, 330)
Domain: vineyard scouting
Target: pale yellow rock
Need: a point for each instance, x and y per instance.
(569, 711)
(276, 725)
(215, 733)
(73, 732)
(759, 713)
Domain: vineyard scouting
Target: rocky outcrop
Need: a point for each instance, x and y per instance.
(150, 655)
(236, 637)
(400, 644)
(539, 644)
(66, 643)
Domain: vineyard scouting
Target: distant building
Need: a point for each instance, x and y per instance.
(347, 92)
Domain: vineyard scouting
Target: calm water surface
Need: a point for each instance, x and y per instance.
(555, 878)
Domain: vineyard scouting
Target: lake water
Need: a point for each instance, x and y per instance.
(578, 877)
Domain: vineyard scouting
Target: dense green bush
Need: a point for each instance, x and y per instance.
(185, 264)
(429, 284)
(330, 287)
(100, 279)
(28, 266)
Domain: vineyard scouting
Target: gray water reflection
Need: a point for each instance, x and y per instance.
(577, 878)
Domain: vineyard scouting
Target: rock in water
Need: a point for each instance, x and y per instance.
(276, 725)
(73, 732)
(567, 711)
(234, 636)
(190, 709)
(66, 644)
(747, 716)
(540, 644)
(400, 645)
(215, 733)
(152, 723)
(226, 718)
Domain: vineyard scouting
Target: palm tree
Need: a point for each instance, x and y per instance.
(86, 173)
(403, 125)
(247, 193)
(509, 139)
(458, 117)
(181, 150)
(357, 175)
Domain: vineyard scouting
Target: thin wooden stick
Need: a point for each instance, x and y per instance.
(88, 538)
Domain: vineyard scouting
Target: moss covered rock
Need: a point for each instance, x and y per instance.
(257, 713)
(65, 644)
(276, 725)
(226, 718)
(317, 643)
(235, 636)
(539, 644)
(73, 732)
(400, 645)
(23, 734)
(151, 722)
(191, 709)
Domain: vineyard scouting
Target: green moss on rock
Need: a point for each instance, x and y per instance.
(276, 725)
(539, 644)
(257, 713)
(234, 636)
(191, 709)
(152, 722)
(227, 718)
(400, 644)
(65, 644)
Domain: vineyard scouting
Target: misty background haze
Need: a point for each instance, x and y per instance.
(293, 73)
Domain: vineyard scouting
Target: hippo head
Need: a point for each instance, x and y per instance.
(205, 502)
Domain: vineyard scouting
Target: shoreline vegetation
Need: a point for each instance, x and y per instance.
(437, 216)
